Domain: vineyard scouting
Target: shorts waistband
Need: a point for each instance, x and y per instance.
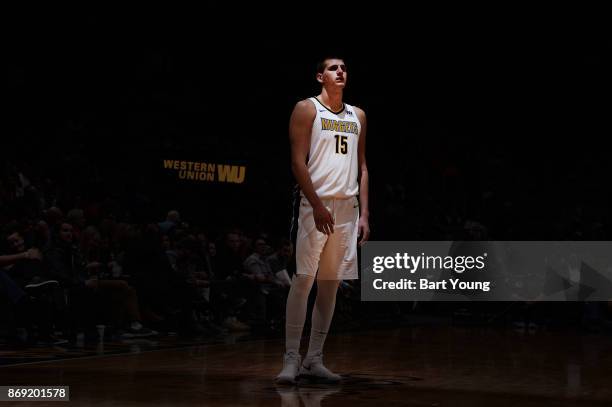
(331, 198)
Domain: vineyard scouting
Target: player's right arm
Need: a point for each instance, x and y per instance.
(300, 127)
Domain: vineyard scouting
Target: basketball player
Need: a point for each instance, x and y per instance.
(328, 160)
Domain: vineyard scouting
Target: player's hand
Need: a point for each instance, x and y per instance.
(323, 219)
(364, 230)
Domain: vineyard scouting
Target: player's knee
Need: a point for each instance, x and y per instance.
(302, 282)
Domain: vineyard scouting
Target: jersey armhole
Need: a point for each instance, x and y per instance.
(316, 110)
(357, 117)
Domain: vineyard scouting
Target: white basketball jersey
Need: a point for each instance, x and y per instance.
(332, 161)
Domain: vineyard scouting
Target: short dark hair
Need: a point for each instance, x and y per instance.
(321, 65)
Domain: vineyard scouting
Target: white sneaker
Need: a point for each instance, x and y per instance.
(313, 368)
(291, 367)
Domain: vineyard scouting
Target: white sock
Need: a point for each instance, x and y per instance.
(322, 315)
(297, 303)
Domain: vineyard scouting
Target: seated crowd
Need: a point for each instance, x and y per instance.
(61, 275)
(63, 271)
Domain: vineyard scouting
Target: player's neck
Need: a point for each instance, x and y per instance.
(332, 100)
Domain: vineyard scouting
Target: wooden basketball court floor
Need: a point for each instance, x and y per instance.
(419, 366)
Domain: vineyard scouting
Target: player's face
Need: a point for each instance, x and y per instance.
(334, 73)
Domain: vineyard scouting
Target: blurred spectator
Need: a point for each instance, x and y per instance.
(229, 257)
(76, 217)
(271, 291)
(279, 262)
(230, 288)
(172, 221)
(36, 298)
(116, 298)
(167, 279)
(53, 216)
(27, 265)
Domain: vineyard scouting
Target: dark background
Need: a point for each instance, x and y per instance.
(471, 118)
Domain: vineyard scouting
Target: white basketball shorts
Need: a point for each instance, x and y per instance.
(328, 257)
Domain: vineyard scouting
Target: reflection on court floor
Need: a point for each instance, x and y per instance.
(420, 366)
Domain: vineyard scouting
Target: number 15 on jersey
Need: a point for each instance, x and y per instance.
(341, 145)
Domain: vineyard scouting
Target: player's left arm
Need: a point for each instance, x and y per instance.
(364, 209)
